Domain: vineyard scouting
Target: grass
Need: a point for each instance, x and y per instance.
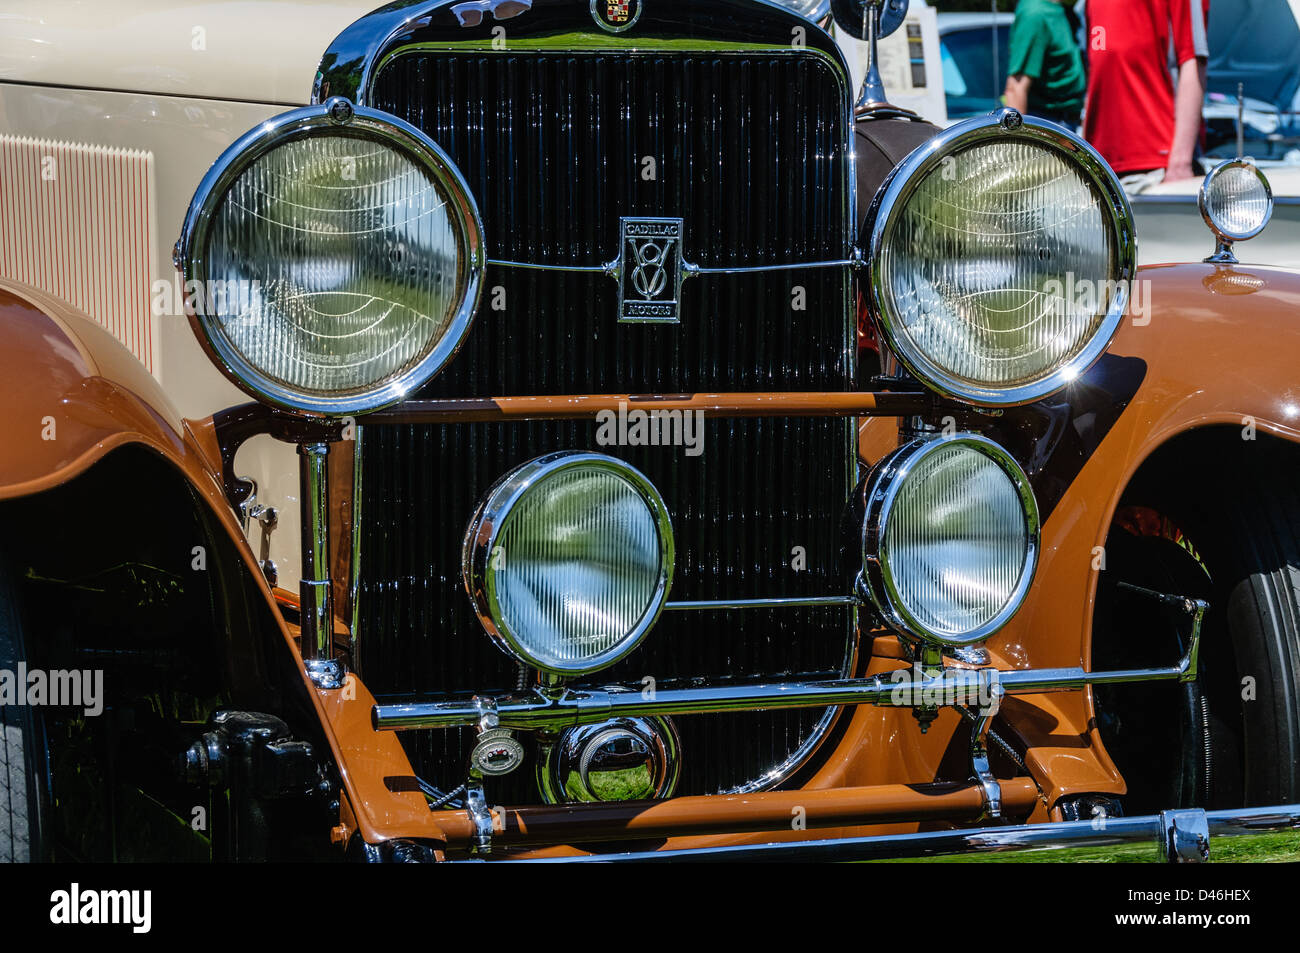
(1258, 849)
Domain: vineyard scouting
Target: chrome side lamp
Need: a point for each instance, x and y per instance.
(1236, 202)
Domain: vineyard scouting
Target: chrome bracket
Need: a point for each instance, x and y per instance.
(1223, 254)
(251, 511)
(481, 815)
(329, 674)
(979, 750)
(1185, 836)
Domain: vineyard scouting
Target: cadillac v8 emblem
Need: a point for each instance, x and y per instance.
(616, 15)
(650, 270)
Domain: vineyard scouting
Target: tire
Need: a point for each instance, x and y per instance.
(1231, 739)
(21, 756)
(1260, 593)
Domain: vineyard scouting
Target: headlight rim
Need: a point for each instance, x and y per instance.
(1203, 199)
(891, 198)
(489, 521)
(892, 473)
(290, 126)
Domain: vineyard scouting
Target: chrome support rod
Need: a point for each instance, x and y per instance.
(315, 588)
(354, 583)
(901, 689)
(873, 88)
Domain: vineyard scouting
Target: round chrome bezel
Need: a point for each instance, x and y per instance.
(490, 518)
(567, 756)
(882, 491)
(903, 182)
(385, 130)
(1202, 200)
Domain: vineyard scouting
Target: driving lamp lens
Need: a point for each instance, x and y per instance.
(952, 539)
(1001, 262)
(569, 561)
(1236, 200)
(338, 265)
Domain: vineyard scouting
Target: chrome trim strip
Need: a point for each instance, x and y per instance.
(898, 188)
(703, 605)
(1153, 831)
(899, 689)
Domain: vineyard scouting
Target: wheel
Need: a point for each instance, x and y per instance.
(1232, 738)
(21, 751)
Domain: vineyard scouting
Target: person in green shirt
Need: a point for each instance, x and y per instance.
(1045, 69)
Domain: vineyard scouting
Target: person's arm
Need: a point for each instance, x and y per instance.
(1188, 19)
(1025, 59)
(1017, 92)
(1188, 103)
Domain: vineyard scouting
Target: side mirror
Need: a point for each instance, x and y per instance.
(870, 20)
(854, 16)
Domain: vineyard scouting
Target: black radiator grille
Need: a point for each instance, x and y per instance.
(749, 151)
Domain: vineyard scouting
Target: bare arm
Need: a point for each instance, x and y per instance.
(1188, 103)
(1017, 93)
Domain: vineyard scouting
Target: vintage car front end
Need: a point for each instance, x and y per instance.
(699, 460)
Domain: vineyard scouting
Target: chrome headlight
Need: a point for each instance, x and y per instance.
(569, 561)
(950, 541)
(333, 259)
(1236, 200)
(1001, 252)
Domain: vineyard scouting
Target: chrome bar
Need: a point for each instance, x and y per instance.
(902, 688)
(317, 615)
(688, 270)
(778, 603)
(354, 582)
(1153, 832)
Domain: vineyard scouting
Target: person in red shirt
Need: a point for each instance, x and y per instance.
(1137, 116)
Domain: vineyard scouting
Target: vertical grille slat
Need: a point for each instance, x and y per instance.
(749, 151)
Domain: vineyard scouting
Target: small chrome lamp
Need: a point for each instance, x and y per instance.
(1236, 203)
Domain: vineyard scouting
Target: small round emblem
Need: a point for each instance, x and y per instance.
(616, 16)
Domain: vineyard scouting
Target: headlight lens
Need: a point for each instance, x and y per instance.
(569, 561)
(1001, 254)
(951, 538)
(1236, 200)
(338, 258)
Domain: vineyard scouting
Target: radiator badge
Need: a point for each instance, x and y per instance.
(650, 270)
(616, 15)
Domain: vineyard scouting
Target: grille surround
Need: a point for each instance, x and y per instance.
(759, 355)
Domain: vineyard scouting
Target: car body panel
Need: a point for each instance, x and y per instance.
(1209, 343)
(201, 49)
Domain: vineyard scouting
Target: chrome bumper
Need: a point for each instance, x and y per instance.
(1183, 836)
